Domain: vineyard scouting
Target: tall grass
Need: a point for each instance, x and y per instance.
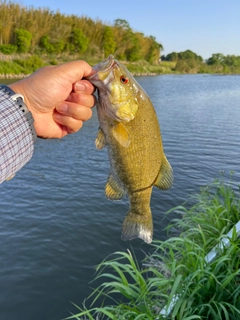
(22, 67)
(177, 270)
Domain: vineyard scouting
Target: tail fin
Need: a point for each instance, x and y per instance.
(137, 226)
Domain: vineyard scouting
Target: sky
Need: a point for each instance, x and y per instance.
(203, 26)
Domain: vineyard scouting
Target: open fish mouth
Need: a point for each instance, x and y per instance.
(106, 64)
(102, 70)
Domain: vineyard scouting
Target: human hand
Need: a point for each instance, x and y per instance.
(58, 97)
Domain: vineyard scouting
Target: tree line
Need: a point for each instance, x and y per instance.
(31, 30)
(34, 37)
(217, 59)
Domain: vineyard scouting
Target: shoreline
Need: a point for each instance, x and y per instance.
(24, 65)
(135, 74)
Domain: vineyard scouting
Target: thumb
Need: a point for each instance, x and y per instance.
(75, 70)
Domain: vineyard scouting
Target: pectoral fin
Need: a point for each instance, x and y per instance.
(121, 134)
(164, 180)
(114, 190)
(127, 112)
(100, 141)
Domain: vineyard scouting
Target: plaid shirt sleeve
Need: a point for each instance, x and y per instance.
(16, 143)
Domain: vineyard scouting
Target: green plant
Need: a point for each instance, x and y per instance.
(8, 48)
(30, 64)
(79, 40)
(23, 40)
(109, 43)
(177, 271)
(45, 43)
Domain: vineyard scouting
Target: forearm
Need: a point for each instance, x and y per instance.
(16, 142)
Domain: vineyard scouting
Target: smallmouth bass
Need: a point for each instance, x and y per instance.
(130, 130)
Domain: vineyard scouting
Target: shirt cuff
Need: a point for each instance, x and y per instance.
(16, 143)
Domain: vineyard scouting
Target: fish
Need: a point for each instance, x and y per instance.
(129, 128)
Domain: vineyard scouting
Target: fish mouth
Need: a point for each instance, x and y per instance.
(106, 64)
(101, 71)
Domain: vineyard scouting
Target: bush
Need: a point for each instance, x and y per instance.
(80, 41)
(8, 48)
(30, 64)
(23, 40)
(44, 43)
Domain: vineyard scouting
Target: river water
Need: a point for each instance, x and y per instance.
(55, 223)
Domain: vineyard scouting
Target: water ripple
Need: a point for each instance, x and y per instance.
(56, 224)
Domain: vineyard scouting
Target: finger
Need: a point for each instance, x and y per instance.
(72, 125)
(83, 86)
(73, 110)
(82, 99)
(64, 131)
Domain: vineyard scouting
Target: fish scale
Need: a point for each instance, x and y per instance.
(129, 128)
(141, 160)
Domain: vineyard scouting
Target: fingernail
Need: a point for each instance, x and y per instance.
(79, 86)
(62, 107)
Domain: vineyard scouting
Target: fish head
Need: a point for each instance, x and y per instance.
(117, 90)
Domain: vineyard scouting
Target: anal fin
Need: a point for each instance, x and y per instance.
(114, 189)
(164, 179)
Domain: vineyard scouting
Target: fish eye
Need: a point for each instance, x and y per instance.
(123, 79)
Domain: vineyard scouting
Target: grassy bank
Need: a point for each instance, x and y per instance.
(177, 269)
(19, 66)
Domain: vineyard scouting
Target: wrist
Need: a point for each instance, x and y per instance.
(18, 98)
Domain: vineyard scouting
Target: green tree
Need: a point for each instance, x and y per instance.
(123, 24)
(23, 40)
(154, 51)
(124, 39)
(79, 40)
(183, 55)
(51, 46)
(220, 59)
(170, 57)
(109, 43)
(216, 59)
(45, 43)
(189, 55)
(133, 53)
(232, 60)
